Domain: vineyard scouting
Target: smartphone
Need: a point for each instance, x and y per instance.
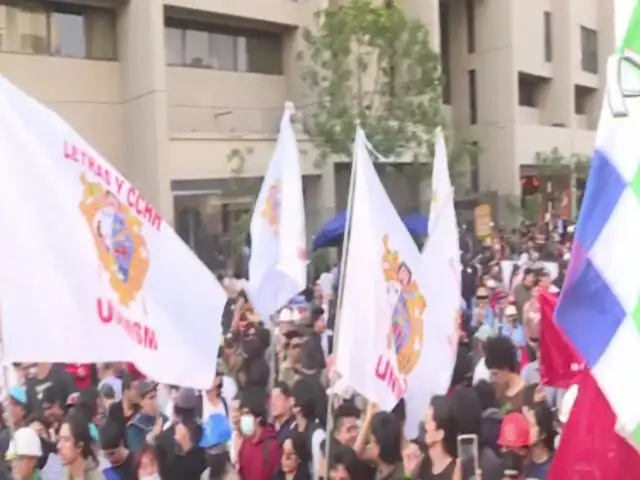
(468, 454)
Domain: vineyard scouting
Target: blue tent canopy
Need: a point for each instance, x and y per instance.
(331, 233)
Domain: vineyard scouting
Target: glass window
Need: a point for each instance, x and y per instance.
(68, 35)
(548, 37)
(589, 49)
(222, 48)
(264, 54)
(24, 28)
(196, 48)
(100, 30)
(51, 28)
(473, 106)
(174, 44)
(223, 51)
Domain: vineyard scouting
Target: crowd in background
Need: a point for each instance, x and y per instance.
(265, 415)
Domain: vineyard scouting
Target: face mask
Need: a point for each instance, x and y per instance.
(155, 476)
(247, 427)
(512, 464)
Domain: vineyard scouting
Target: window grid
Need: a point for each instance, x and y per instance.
(589, 49)
(58, 29)
(226, 49)
(548, 38)
(473, 107)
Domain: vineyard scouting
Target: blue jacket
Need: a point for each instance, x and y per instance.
(138, 429)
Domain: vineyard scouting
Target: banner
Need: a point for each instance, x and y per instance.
(89, 270)
(278, 263)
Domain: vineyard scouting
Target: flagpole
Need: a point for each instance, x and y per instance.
(336, 327)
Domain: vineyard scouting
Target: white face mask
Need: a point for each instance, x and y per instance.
(247, 425)
(155, 476)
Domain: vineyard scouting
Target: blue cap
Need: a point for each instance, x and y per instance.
(216, 431)
(19, 394)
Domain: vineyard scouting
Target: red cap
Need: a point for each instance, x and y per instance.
(514, 431)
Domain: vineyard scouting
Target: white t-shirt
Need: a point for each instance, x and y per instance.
(481, 372)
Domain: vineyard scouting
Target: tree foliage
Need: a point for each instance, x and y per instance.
(369, 63)
(554, 162)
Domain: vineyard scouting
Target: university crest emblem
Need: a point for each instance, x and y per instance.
(271, 210)
(408, 306)
(117, 234)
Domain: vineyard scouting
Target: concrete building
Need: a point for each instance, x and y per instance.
(184, 96)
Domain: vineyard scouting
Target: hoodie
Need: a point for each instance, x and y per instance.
(259, 459)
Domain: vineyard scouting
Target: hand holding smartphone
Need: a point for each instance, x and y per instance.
(468, 454)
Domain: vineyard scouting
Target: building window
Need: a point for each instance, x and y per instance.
(222, 48)
(473, 107)
(474, 167)
(548, 38)
(59, 29)
(471, 26)
(589, 49)
(445, 52)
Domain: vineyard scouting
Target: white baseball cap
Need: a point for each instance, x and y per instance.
(25, 443)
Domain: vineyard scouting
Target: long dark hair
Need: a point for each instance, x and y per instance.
(79, 428)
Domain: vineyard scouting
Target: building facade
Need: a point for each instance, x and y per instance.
(185, 96)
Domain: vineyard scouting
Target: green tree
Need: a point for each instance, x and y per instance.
(368, 63)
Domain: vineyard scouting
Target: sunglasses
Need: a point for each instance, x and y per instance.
(481, 297)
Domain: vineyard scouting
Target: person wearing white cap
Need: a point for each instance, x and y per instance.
(24, 452)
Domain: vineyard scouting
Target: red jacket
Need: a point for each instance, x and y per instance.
(81, 373)
(260, 459)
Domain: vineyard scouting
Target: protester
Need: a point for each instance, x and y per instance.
(296, 458)
(259, 455)
(386, 443)
(178, 450)
(543, 435)
(149, 421)
(43, 376)
(75, 448)
(147, 464)
(515, 440)
(120, 459)
(216, 436)
(282, 403)
(24, 453)
(502, 362)
(123, 411)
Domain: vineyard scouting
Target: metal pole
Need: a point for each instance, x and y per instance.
(336, 327)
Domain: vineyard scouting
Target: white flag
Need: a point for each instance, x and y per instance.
(278, 262)
(441, 271)
(383, 304)
(89, 271)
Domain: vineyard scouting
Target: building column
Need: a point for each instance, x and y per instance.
(144, 90)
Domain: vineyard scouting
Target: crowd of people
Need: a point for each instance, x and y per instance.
(276, 409)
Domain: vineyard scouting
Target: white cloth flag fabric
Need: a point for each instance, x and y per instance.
(89, 271)
(278, 262)
(381, 347)
(442, 271)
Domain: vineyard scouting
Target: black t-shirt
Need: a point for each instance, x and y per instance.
(446, 474)
(58, 378)
(126, 470)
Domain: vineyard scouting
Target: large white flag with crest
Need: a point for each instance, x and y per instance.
(382, 331)
(89, 270)
(278, 262)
